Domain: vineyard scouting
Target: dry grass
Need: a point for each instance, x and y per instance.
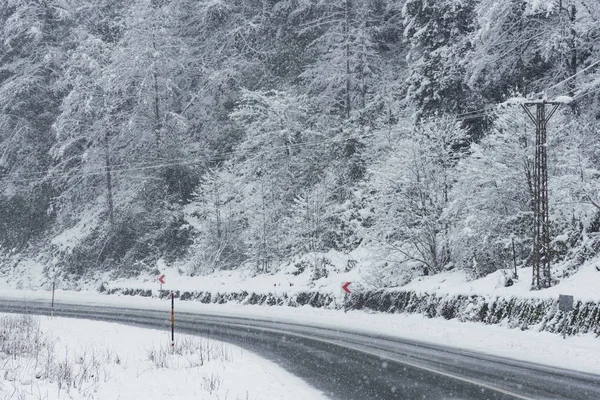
(28, 356)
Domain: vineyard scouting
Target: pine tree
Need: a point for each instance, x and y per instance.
(341, 77)
(437, 32)
(34, 40)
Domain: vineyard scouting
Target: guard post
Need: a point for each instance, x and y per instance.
(52, 305)
(172, 323)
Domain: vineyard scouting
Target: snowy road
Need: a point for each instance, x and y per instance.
(347, 365)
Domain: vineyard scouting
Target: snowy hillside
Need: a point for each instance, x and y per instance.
(280, 148)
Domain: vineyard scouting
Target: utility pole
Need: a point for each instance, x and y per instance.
(541, 223)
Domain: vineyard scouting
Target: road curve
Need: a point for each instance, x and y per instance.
(348, 365)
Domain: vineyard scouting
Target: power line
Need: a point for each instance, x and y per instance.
(192, 160)
(485, 111)
(570, 77)
(148, 166)
(586, 93)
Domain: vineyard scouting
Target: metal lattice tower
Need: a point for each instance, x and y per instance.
(541, 223)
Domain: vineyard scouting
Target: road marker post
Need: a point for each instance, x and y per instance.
(565, 304)
(346, 294)
(161, 279)
(52, 305)
(172, 323)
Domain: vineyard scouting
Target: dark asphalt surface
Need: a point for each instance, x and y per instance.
(348, 365)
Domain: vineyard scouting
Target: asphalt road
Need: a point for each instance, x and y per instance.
(348, 365)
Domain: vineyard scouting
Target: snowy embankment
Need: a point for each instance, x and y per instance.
(450, 295)
(60, 358)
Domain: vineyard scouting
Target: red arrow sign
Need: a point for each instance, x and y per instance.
(345, 287)
(162, 279)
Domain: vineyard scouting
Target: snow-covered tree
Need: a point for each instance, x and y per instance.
(530, 46)
(437, 32)
(279, 156)
(218, 212)
(33, 47)
(85, 130)
(491, 201)
(342, 76)
(414, 184)
(147, 68)
(34, 41)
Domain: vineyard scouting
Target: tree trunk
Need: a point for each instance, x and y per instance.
(218, 210)
(347, 40)
(109, 190)
(157, 122)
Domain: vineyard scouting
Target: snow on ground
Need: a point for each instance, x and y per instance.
(26, 274)
(539, 347)
(583, 285)
(99, 360)
(288, 280)
(69, 238)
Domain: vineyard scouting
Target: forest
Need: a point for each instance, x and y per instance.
(226, 134)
